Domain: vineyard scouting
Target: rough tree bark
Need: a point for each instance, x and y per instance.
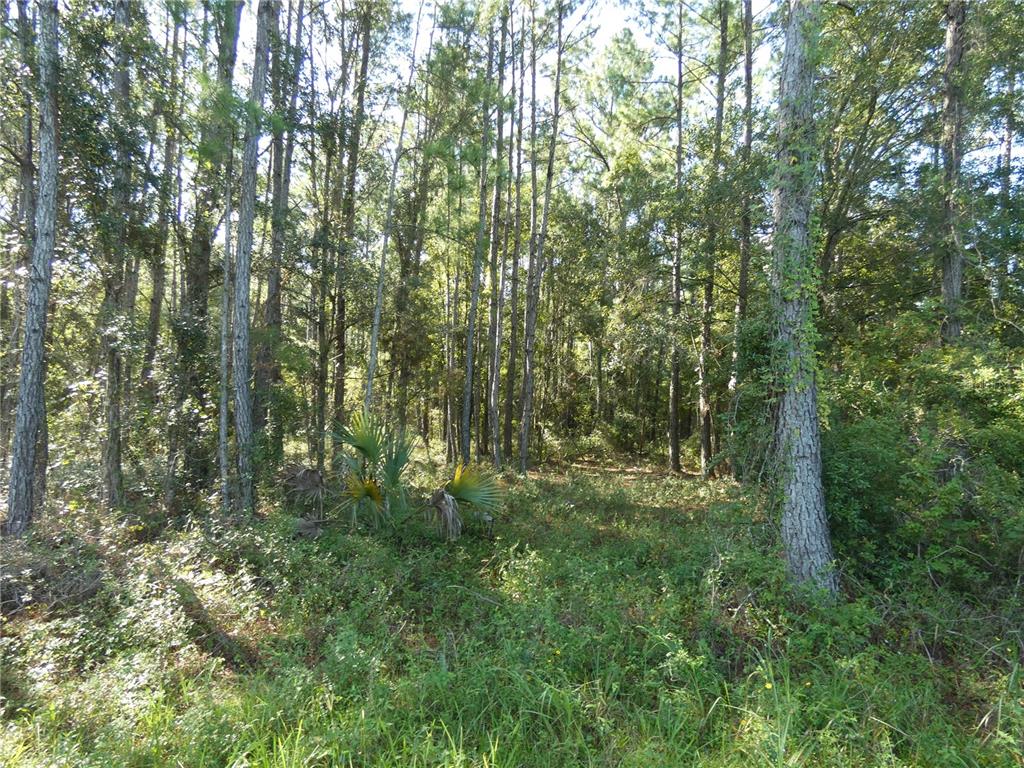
(266, 19)
(31, 413)
(805, 533)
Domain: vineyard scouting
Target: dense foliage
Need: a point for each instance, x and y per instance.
(315, 266)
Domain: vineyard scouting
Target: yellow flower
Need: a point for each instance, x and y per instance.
(768, 686)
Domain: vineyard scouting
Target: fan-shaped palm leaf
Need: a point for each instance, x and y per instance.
(470, 485)
(365, 435)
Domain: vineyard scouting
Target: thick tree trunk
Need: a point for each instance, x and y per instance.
(265, 21)
(533, 290)
(952, 148)
(805, 533)
(31, 414)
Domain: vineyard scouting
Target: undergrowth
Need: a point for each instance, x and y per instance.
(615, 619)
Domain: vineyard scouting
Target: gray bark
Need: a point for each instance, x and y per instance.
(805, 533)
(266, 18)
(31, 414)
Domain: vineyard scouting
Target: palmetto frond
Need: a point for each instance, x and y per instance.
(365, 435)
(470, 485)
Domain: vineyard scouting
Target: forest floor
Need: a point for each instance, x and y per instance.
(618, 617)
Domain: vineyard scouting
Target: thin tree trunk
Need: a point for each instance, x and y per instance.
(743, 286)
(266, 20)
(674, 461)
(952, 148)
(11, 307)
(378, 306)
(494, 380)
(711, 256)
(478, 256)
(349, 226)
(511, 372)
(193, 366)
(114, 299)
(533, 291)
(223, 456)
(805, 533)
(158, 270)
(268, 369)
(31, 415)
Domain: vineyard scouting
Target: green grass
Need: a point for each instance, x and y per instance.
(617, 619)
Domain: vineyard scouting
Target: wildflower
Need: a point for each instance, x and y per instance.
(768, 686)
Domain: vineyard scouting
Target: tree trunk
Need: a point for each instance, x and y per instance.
(513, 337)
(378, 306)
(31, 415)
(158, 270)
(497, 287)
(478, 256)
(266, 20)
(705, 351)
(193, 472)
(743, 286)
(285, 77)
(805, 533)
(533, 291)
(952, 147)
(223, 457)
(677, 262)
(349, 226)
(115, 288)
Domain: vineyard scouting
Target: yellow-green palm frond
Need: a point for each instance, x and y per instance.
(471, 485)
